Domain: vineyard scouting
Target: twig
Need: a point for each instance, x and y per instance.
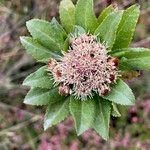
(21, 62)
(19, 24)
(6, 106)
(20, 125)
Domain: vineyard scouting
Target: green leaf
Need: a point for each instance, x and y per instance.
(85, 16)
(67, 14)
(133, 58)
(131, 52)
(38, 96)
(77, 31)
(40, 79)
(83, 114)
(55, 24)
(115, 112)
(102, 117)
(141, 63)
(127, 27)
(121, 94)
(105, 13)
(37, 51)
(66, 44)
(106, 31)
(56, 112)
(48, 34)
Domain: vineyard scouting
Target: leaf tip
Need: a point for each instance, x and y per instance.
(26, 102)
(46, 124)
(24, 83)
(31, 23)
(28, 23)
(22, 38)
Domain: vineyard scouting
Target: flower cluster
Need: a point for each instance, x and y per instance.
(85, 69)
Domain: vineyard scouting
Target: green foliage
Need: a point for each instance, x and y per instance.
(139, 63)
(115, 112)
(77, 31)
(56, 112)
(36, 50)
(38, 96)
(85, 16)
(127, 27)
(106, 31)
(105, 13)
(121, 94)
(44, 31)
(40, 79)
(131, 52)
(83, 114)
(102, 117)
(133, 58)
(67, 14)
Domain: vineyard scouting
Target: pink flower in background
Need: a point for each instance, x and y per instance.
(74, 145)
(135, 119)
(125, 140)
(44, 145)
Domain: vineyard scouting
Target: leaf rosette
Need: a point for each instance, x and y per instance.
(89, 101)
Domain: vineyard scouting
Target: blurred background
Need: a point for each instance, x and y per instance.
(21, 125)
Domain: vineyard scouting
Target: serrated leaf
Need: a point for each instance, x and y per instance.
(55, 24)
(46, 33)
(115, 112)
(141, 63)
(40, 79)
(121, 94)
(106, 31)
(38, 96)
(133, 58)
(83, 113)
(77, 31)
(56, 112)
(105, 13)
(127, 27)
(85, 16)
(67, 14)
(66, 44)
(102, 117)
(37, 51)
(131, 52)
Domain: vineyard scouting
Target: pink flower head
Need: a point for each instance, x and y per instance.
(86, 68)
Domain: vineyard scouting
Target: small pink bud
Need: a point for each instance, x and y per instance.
(58, 73)
(64, 90)
(104, 92)
(112, 78)
(114, 61)
(135, 119)
(52, 63)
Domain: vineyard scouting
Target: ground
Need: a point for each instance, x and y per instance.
(21, 125)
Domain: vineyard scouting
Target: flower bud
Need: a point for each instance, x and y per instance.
(51, 63)
(112, 78)
(57, 74)
(114, 61)
(64, 90)
(104, 92)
